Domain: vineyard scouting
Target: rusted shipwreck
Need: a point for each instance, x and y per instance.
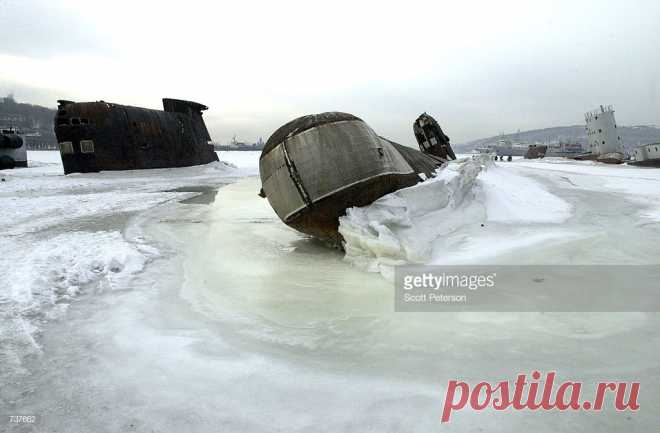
(95, 136)
(315, 167)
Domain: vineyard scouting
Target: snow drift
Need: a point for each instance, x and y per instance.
(430, 221)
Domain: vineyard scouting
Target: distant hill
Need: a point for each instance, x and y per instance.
(630, 135)
(34, 120)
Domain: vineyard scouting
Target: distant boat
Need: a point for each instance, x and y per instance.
(483, 150)
(236, 145)
(564, 149)
(315, 167)
(507, 147)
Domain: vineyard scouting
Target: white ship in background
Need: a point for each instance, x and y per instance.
(564, 149)
(507, 147)
(240, 145)
(484, 150)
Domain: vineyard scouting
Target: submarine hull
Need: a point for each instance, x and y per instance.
(13, 152)
(95, 136)
(317, 166)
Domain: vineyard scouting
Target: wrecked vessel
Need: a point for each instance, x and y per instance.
(315, 167)
(536, 151)
(95, 136)
(13, 152)
(603, 141)
(431, 139)
(646, 155)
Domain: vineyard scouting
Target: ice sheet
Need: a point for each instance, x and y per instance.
(64, 236)
(238, 323)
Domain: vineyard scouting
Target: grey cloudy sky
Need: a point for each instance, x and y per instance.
(479, 67)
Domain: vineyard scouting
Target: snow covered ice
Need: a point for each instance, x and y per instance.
(479, 211)
(124, 309)
(63, 236)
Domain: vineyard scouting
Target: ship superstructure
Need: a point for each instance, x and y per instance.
(603, 141)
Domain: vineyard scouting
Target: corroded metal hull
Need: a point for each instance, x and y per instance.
(315, 167)
(606, 158)
(584, 157)
(95, 136)
(611, 158)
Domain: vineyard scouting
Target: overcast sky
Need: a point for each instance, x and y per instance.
(479, 67)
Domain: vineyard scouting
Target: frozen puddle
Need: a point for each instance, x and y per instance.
(241, 324)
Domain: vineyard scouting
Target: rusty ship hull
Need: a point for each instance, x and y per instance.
(315, 167)
(96, 136)
(536, 151)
